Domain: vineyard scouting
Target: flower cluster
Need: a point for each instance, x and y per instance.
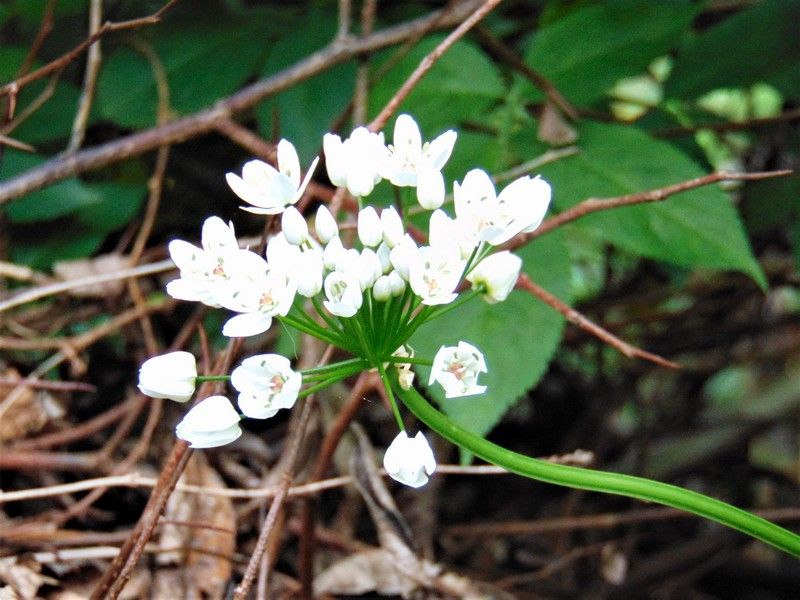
(365, 291)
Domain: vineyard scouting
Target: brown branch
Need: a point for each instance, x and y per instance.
(425, 65)
(593, 205)
(576, 318)
(45, 28)
(305, 566)
(63, 60)
(242, 590)
(789, 115)
(507, 55)
(92, 69)
(60, 168)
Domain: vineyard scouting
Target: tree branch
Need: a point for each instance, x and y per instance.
(60, 168)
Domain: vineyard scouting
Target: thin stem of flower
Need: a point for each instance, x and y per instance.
(601, 481)
(317, 332)
(325, 316)
(446, 308)
(334, 366)
(344, 374)
(204, 378)
(390, 394)
(403, 360)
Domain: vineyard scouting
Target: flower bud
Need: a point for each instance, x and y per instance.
(392, 227)
(170, 375)
(369, 227)
(294, 226)
(382, 289)
(211, 423)
(325, 225)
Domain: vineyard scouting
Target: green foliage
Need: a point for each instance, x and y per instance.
(754, 45)
(518, 338)
(460, 86)
(698, 228)
(587, 50)
(203, 62)
(305, 112)
(68, 219)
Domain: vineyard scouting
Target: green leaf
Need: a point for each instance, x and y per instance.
(756, 44)
(55, 242)
(698, 228)
(589, 49)
(461, 85)
(305, 112)
(518, 338)
(53, 119)
(204, 62)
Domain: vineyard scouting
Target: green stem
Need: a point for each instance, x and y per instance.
(202, 378)
(343, 374)
(325, 369)
(404, 360)
(390, 394)
(602, 481)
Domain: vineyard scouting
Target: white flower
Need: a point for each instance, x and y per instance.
(202, 270)
(270, 190)
(370, 231)
(325, 225)
(409, 460)
(384, 256)
(520, 207)
(457, 368)
(382, 289)
(403, 255)
(434, 274)
(392, 226)
(444, 231)
(259, 293)
(294, 226)
(170, 375)
(497, 273)
(211, 423)
(343, 293)
(266, 383)
(357, 162)
(368, 268)
(302, 264)
(413, 164)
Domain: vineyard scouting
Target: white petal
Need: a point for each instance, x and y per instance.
(407, 139)
(430, 187)
(439, 150)
(289, 162)
(246, 325)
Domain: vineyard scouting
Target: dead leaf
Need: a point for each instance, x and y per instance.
(29, 413)
(22, 578)
(368, 571)
(208, 537)
(91, 267)
(554, 128)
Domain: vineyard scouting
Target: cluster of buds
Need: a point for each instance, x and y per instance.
(366, 293)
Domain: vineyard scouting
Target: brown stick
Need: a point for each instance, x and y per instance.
(305, 566)
(378, 122)
(63, 60)
(593, 205)
(576, 318)
(60, 168)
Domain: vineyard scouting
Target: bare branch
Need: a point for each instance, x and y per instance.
(593, 205)
(204, 121)
(576, 318)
